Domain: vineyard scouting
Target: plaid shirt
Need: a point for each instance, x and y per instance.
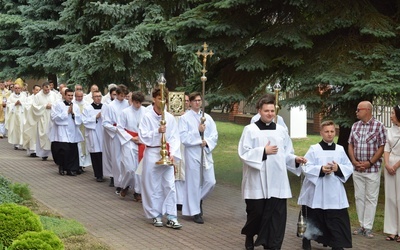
(366, 139)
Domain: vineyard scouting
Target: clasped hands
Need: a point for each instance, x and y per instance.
(330, 167)
(391, 169)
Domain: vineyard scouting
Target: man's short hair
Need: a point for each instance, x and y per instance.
(137, 96)
(45, 84)
(266, 99)
(68, 91)
(193, 95)
(157, 92)
(122, 89)
(326, 123)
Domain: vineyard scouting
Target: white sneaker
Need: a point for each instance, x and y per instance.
(157, 222)
(173, 224)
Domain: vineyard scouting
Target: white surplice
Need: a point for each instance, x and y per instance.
(129, 119)
(325, 192)
(112, 165)
(65, 128)
(263, 179)
(93, 129)
(191, 139)
(158, 181)
(84, 156)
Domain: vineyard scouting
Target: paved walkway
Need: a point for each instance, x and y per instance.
(120, 223)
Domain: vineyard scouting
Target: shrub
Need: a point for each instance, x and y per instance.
(22, 190)
(16, 220)
(37, 240)
(6, 194)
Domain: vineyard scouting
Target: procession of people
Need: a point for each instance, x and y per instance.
(121, 139)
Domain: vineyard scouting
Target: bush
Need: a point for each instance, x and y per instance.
(16, 220)
(37, 240)
(22, 190)
(6, 194)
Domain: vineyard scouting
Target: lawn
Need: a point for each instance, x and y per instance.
(228, 168)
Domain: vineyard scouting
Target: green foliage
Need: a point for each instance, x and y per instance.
(2, 247)
(22, 190)
(15, 220)
(44, 240)
(63, 228)
(6, 193)
(329, 55)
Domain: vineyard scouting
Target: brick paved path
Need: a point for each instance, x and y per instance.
(120, 223)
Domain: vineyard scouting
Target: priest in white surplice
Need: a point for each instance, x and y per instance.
(65, 134)
(199, 173)
(84, 155)
(30, 125)
(94, 131)
(131, 148)
(15, 117)
(158, 181)
(266, 151)
(323, 195)
(112, 165)
(41, 109)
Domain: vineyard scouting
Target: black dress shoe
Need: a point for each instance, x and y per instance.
(60, 170)
(198, 219)
(99, 179)
(71, 173)
(79, 171)
(111, 182)
(249, 244)
(44, 158)
(33, 155)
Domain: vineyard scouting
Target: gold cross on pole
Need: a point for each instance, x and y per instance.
(205, 53)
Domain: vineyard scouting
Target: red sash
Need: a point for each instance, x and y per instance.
(140, 145)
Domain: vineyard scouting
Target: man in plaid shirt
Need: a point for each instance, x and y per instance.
(366, 143)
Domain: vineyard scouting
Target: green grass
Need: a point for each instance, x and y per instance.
(228, 169)
(63, 228)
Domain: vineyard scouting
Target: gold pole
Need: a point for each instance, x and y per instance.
(203, 79)
(277, 88)
(163, 151)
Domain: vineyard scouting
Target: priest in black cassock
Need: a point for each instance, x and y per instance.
(65, 134)
(266, 151)
(322, 196)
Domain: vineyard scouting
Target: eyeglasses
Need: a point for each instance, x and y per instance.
(358, 110)
(198, 100)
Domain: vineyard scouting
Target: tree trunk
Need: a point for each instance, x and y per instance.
(344, 133)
